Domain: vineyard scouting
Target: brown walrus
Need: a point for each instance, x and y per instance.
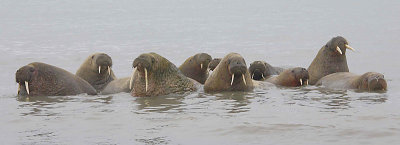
(155, 75)
(196, 67)
(117, 86)
(331, 58)
(213, 64)
(231, 74)
(40, 79)
(293, 77)
(260, 70)
(96, 70)
(370, 81)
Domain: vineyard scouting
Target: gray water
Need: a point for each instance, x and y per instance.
(287, 33)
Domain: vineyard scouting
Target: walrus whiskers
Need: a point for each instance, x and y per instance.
(131, 80)
(145, 76)
(338, 49)
(99, 69)
(244, 80)
(27, 87)
(301, 82)
(348, 47)
(233, 76)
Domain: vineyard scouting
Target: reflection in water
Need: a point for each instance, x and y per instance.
(236, 102)
(168, 103)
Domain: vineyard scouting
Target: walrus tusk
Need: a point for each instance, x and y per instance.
(19, 88)
(201, 66)
(244, 80)
(338, 49)
(27, 87)
(301, 82)
(130, 81)
(109, 71)
(306, 82)
(262, 75)
(252, 76)
(99, 69)
(348, 47)
(233, 76)
(145, 76)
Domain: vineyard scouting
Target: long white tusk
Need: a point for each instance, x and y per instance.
(233, 76)
(301, 82)
(338, 49)
(27, 87)
(109, 71)
(130, 81)
(348, 47)
(201, 66)
(306, 82)
(19, 87)
(244, 80)
(99, 69)
(262, 75)
(252, 76)
(145, 76)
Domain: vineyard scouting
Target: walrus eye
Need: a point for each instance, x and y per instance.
(292, 71)
(92, 56)
(152, 60)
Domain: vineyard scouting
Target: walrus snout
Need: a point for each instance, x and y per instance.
(257, 70)
(339, 45)
(301, 74)
(104, 60)
(204, 60)
(142, 62)
(23, 77)
(376, 82)
(237, 68)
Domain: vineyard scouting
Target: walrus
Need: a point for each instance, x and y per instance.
(40, 79)
(370, 81)
(96, 70)
(293, 77)
(213, 64)
(117, 86)
(155, 75)
(231, 74)
(331, 58)
(261, 70)
(196, 67)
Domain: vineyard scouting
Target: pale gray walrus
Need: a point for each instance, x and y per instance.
(370, 81)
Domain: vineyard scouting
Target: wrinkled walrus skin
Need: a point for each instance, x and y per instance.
(40, 79)
(96, 70)
(196, 67)
(331, 58)
(231, 74)
(154, 75)
(370, 81)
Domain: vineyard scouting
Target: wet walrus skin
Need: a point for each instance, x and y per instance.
(96, 70)
(370, 81)
(231, 74)
(40, 79)
(213, 64)
(154, 75)
(293, 77)
(196, 67)
(331, 58)
(260, 70)
(117, 86)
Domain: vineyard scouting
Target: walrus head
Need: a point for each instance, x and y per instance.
(260, 70)
(337, 46)
(24, 77)
(102, 63)
(213, 64)
(203, 60)
(293, 77)
(231, 74)
(372, 81)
